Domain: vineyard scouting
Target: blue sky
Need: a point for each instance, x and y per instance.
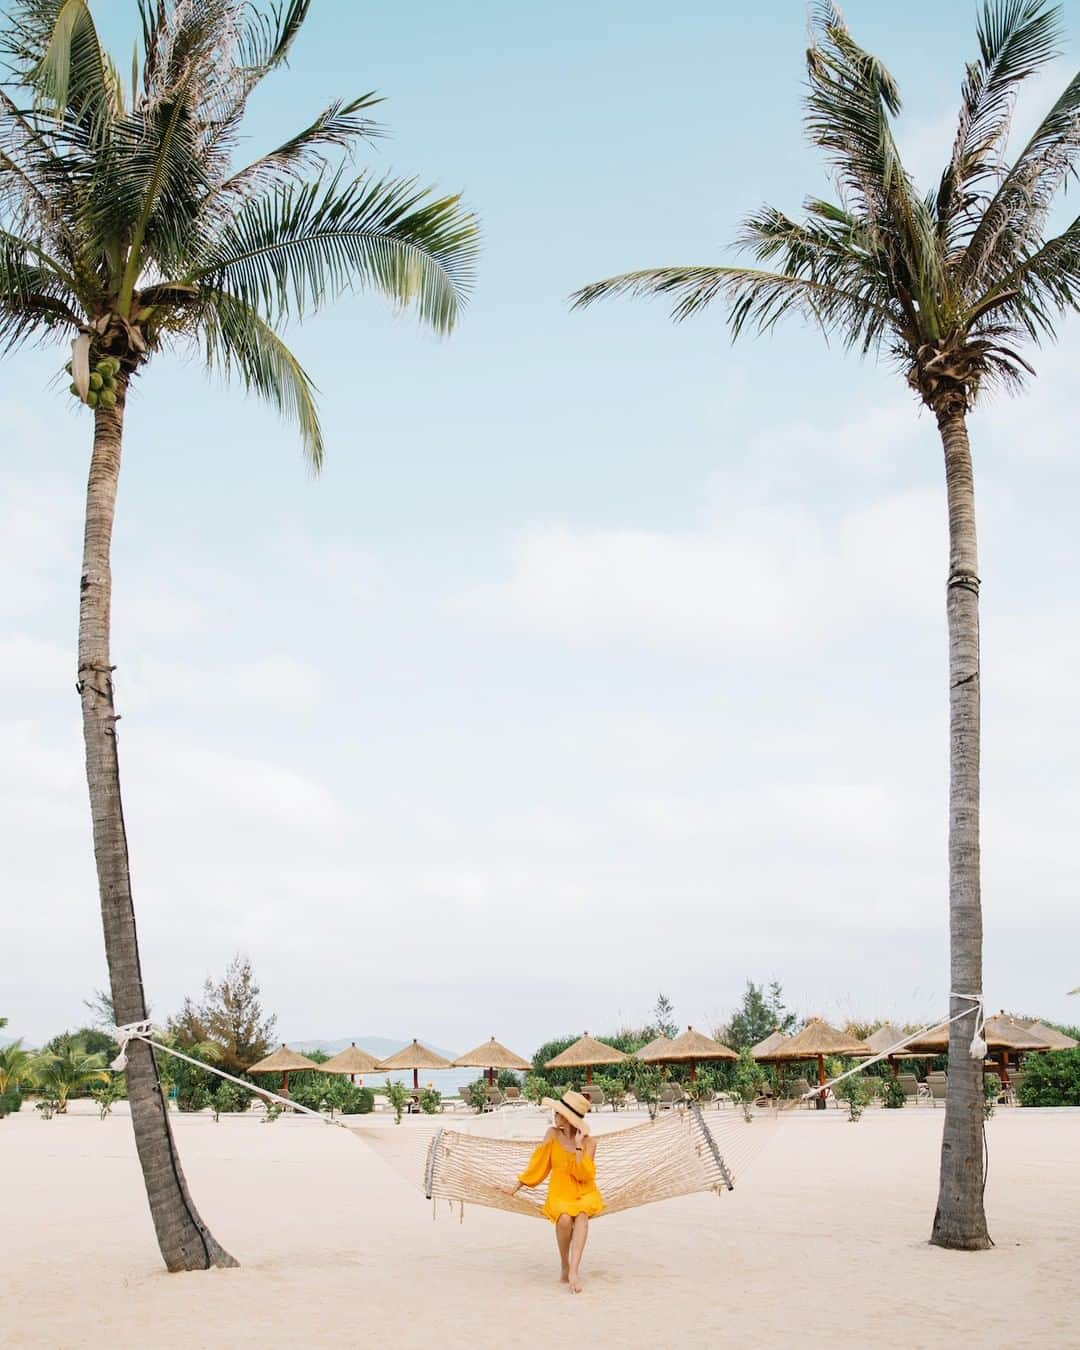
(604, 657)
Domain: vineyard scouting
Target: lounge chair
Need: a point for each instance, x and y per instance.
(495, 1099)
(939, 1086)
(914, 1091)
(512, 1097)
(667, 1098)
(595, 1095)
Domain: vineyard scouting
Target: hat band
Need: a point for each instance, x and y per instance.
(564, 1102)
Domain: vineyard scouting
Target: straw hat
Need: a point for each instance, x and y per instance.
(573, 1107)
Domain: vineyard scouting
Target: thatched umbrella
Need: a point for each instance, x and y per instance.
(648, 1053)
(690, 1048)
(490, 1057)
(1056, 1040)
(816, 1040)
(353, 1061)
(585, 1053)
(416, 1057)
(285, 1062)
(1000, 1033)
(773, 1041)
(879, 1041)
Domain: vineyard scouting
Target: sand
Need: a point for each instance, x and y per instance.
(821, 1244)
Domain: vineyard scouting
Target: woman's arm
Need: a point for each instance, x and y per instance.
(538, 1168)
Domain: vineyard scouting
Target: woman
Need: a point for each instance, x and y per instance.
(568, 1154)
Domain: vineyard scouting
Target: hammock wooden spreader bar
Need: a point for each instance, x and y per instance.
(673, 1155)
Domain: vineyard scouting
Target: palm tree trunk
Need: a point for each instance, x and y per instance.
(184, 1240)
(960, 1221)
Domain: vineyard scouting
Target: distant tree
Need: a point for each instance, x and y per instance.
(92, 1040)
(15, 1067)
(100, 1007)
(663, 1017)
(230, 1016)
(761, 1012)
(69, 1070)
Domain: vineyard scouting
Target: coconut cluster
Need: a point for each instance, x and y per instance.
(102, 391)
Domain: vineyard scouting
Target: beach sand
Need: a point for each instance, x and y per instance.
(823, 1243)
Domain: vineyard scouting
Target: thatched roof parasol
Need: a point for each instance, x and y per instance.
(773, 1041)
(816, 1040)
(1057, 1040)
(999, 1033)
(416, 1057)
(283, 1061)
(692, 1047)
(491, 1056)
(350, 1061)
(584, 1054)
(886, 1036)
(650, 1054)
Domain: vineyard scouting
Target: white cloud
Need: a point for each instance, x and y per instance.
(758, 575)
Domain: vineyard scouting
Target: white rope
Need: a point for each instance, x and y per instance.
(978, 1045)
(140, 1031)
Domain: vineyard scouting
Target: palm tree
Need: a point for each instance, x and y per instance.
(125, 226)
(946, 286)
(67, 1069)
(15, 1067)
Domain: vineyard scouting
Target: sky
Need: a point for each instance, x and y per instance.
(604, 657)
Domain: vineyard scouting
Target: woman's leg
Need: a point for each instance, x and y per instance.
(564, 1231)
(578, 1239)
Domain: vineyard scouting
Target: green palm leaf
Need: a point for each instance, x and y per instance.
(302, 244)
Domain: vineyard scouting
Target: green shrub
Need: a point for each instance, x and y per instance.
(48, 1106)
(230, 1098)
(398, 1097)
(1051, 1080)
(273, 1111)
(991, 1093)
(10, 1102)
(892, 1094)
(430, 1101)
(196, 1097)
(536, 1088)
(647, 1084)
(856, 1092)
(106, 1095)
(476, 1094)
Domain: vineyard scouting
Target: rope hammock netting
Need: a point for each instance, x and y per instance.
(678, 1153)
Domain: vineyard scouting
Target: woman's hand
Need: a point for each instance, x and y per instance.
(579, 1140)
(510, 1190)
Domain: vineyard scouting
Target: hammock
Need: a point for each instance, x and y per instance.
(673, 1155)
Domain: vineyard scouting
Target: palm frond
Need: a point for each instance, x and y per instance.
(300, 245)
(756, 297)
(238, 341)
(1013, 219)
(336, 126)
(1016, 39)
(73, 74)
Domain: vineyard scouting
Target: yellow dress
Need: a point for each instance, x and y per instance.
(572, 1188)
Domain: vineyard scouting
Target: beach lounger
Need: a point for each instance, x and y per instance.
(914, 1091)
(595, 1095)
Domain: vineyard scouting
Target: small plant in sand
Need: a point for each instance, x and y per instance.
(69, 1071)
(647, 1083)
(398, 1097)
(991, 1093)
(536, 1088)
(476, 1094)
(892, 1094)
(273, 1111)
(746, 1083)
(48, 1106)
(856, 1092)
(229, 1098)
(430, 1101)
(106, 1095)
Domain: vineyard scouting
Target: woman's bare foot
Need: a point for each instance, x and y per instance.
(574, 1281)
